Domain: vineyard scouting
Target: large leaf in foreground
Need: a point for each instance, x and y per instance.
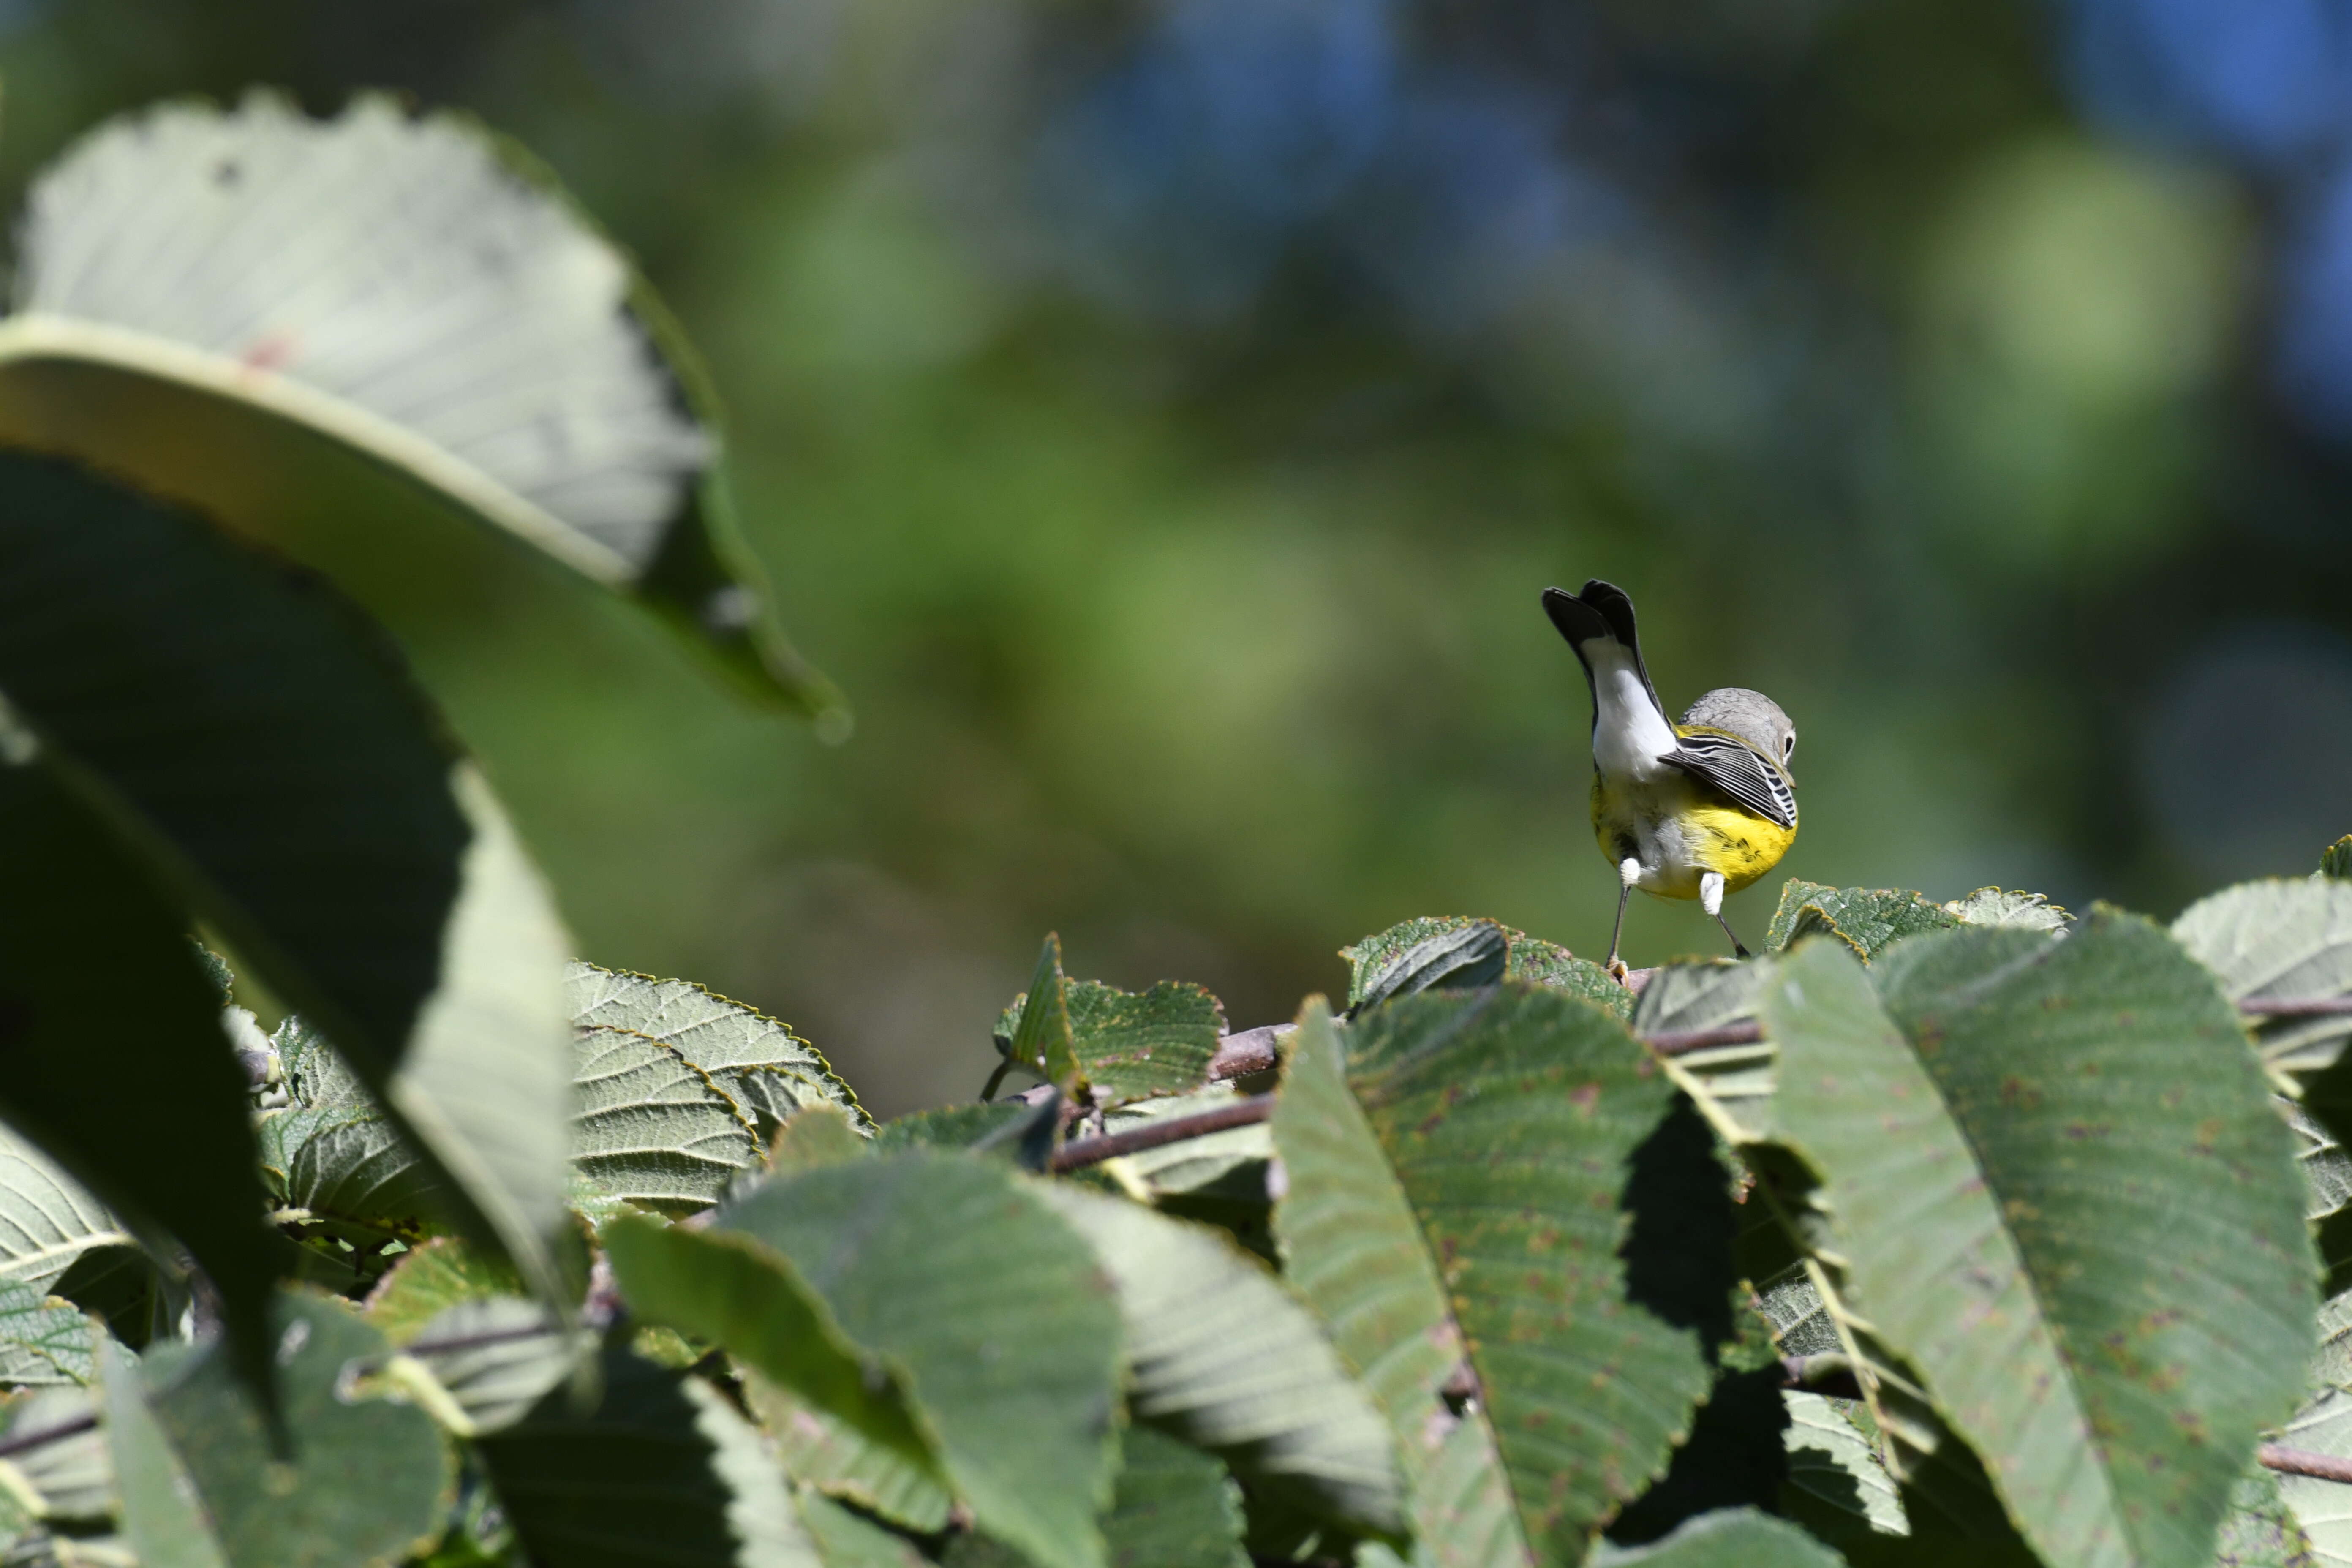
(205, 292)
(1221, 1355)
(113, 1061)
(992, 1310)
(365, 1480)
(1175, 1507)
(764, 1066)
(1464, 1184)
(660, 1473)
(2063, 1197)
(254, 744)
(839, 1412)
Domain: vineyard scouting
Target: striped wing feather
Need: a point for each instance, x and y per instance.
(1741, 772)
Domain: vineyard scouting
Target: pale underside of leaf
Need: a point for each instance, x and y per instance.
(651, 1128)
(395, 265)
(2323, 1425)
(479, 1367)
(46, 1218)
(1731, 1085)
(761, 1063)
(2279, 940)
(1832, 1461)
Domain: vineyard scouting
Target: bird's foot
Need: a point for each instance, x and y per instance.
(1616, 971)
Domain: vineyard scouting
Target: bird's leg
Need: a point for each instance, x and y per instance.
(1629, 871)
(1710, 899)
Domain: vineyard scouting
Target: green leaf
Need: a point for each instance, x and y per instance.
(954, 1127)
(166, 1522)
(1735, 1456)
(1835, 1481)
(332, 1151)
(1464, 1183)
(1458, 953)
(1220, 1354)
(1041, 1041)
(445, 321)
(1175, 1507)
(2260, 1530)
(660, 1473)
(2279, 940)
(818, 1135)
(117, 1065)
(1132, 1046)
(42, 1339)
(846, 1539)
(251, 740)
(2335, 860)
(648, 1127)
(1868, 918)
(764, 1066)
(1995, 906)
(1729, 1538)
(1230, 1165)
(479, 1367)
(431, 1278)
(48, 1221)
(2322, 1424)
(1731, 1085)
(1429, 955)
(365, 1480)
(992, 1310)
(2063, 1195)
(60, 1461)
(730, 1287)
(830, 1456)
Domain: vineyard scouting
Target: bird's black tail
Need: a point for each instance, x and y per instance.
(1603, 610)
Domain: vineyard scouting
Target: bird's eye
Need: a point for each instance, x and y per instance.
(1788, 747)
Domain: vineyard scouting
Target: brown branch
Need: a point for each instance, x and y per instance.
(1081, 1151)
(2303, 1462)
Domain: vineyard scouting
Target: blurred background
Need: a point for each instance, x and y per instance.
(1160, 418)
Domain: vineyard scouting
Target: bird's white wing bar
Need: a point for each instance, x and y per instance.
(1740, 772)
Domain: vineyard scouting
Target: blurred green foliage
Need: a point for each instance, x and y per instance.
(1209, 636)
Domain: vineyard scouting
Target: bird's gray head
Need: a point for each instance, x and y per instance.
(1751, 715)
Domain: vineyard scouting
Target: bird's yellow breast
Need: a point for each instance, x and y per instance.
(1679, 830)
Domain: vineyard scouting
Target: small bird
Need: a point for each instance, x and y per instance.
(1692, 810)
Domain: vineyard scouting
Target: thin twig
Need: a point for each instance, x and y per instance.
(2303, 1462)
(12, 1444)
(1081, 1151)
(2313, 1007)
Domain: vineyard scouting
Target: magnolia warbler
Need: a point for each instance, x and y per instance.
(1692, 810)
